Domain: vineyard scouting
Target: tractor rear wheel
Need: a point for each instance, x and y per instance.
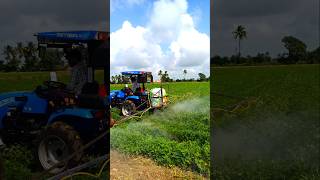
(128, 108)
(56, 143)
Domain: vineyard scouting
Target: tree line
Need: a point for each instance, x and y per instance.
(163, 76)
(25, 57)
(296, 53)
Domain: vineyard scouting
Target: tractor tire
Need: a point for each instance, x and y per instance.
(56, 143)
(128, 108)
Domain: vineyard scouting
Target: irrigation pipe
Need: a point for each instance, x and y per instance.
(74, 171)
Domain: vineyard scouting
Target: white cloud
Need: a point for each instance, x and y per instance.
(169, 41)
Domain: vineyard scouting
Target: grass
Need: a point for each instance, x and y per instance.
(166, 137)
(19, 161)
(178, 136)
(278, 137)
(21, 81)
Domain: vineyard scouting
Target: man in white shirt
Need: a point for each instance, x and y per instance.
(78, 72)
(135, 84)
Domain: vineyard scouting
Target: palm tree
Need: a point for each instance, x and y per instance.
(165, 76)
(12, 61)
(20, 50)
(239, 33)
(160, 74)
(185, 73)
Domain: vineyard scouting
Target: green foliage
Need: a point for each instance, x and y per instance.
(52, 60)
(17, 161)
(202, 77)
(164, 77)
(24, 57)
(297, 49)
(279, 137)
(178, 136)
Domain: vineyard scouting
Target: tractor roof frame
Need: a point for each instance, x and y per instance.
(97, 42)
(142, 75)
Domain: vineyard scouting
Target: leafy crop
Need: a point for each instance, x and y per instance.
(177, 136)
(17, 162)
(279, 138)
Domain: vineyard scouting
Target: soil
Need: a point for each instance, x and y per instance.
(138, 167)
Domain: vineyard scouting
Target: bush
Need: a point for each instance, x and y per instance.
(16, 161)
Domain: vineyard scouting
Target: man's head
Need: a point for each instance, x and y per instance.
(73, 56)
(133, 79)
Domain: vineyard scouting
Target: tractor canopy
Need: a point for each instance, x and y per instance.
(142, 76)
(96, 42)
(71, 37)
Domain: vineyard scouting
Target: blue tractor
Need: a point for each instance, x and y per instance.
(54, 119)
(129, 101)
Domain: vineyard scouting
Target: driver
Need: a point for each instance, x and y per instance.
(127, 90)
(79, 72)
(135, 84)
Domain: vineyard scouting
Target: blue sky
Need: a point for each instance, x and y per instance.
(167, 35)
(138, 14)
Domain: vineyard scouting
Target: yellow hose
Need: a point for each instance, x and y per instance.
(88, 174)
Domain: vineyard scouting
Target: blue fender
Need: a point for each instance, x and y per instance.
(134, 98)
(81, 119)
(70, 112)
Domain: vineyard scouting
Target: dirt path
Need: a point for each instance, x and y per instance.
(128, 167)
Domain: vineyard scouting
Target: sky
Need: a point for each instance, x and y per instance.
(21, 19)
(266, 23)
(167, 35)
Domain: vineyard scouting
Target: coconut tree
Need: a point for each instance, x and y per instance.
(160, 73)
(239, 34)
(185, 73)
(11, 56)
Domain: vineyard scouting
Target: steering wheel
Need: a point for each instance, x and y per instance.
(55, 85)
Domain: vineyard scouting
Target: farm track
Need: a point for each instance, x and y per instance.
(138, 167)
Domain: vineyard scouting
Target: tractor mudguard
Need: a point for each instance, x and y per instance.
(133, 98)
(117, 94)
(73, 112)
(82, 120)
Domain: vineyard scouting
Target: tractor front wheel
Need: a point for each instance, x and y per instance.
(128, 108)
(56, 143)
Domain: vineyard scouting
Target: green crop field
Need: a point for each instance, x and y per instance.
(177, 136)
(278, 135)
(273, 134)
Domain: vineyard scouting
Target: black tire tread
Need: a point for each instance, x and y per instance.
(68, 134)
(132, 104)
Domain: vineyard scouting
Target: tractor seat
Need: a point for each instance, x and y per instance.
(89, 97)
(90, 101)
(139, 91)
(90, 88)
